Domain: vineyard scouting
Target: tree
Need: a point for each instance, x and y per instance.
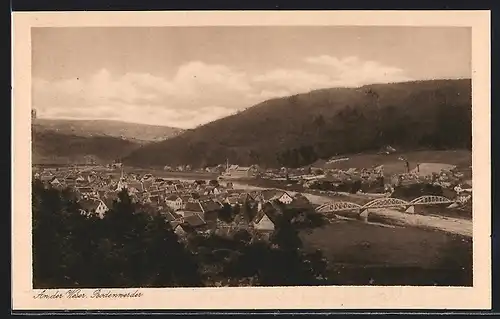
(285, 235)
(226, 213)
(214, 183)
(126, 248)
(248, 211)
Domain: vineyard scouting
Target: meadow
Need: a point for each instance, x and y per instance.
(361, 253)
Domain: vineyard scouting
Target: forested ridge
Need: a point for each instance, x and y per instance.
(297, 130)
(53, 147)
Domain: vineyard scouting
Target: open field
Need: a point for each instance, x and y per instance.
(400, 255)
(392, 165)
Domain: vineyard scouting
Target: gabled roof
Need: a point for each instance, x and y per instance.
(154, 198)
(269, 211)
(60, 175)
(155, 193)
(146, 184)
(108, 200)
(111, 195)
(153, 188)
(47, 178)
(209, 206)
(203, 198)
(300, 202)
(177, 216)
(90, 204)
(194, 220)
(245, 196)
(173, 197)
(85, 189)
(193, 207)
(429, 168)
(270, 194)
(168, 216)
(175, 223)
(136, 184)
(232, 200)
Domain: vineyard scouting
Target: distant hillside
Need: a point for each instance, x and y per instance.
(297, 130)
(49, 147)
(131, 131)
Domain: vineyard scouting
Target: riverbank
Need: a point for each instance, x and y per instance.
(457, 226)
(436, 220)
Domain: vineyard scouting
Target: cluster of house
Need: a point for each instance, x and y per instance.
(447, 177)
(338, 176)
(189, 206)
(234, 171)
(443, 175)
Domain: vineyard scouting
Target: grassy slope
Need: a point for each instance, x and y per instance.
(398, 256)
(461, 158)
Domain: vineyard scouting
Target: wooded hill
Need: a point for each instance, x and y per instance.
(49, 147)
(297, 130)
(61, 141)
(131, 131)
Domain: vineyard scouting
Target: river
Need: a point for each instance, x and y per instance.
(382, 217)
(390, 247)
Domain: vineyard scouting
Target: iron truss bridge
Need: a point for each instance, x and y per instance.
(386, 202)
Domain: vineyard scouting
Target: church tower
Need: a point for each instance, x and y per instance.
(122, 184)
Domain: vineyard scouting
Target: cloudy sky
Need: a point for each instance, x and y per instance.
(187, 76)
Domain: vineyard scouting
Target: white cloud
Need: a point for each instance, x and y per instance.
(198, 92)
(352, 72)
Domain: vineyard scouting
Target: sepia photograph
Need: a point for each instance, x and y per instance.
(223, 156)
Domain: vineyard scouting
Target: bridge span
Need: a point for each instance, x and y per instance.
(386, 202)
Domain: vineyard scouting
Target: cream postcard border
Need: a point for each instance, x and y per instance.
(398, 297)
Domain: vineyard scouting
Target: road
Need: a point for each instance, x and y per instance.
(393, 217)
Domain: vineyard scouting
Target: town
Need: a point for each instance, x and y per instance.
(197, 204)
(187, 205)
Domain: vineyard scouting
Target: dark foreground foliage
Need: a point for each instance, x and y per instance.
(127, 248)
(131, 247)
(247, 259)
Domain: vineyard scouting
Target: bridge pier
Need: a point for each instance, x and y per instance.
(410, 209)
(453, 205)
(364, 215)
